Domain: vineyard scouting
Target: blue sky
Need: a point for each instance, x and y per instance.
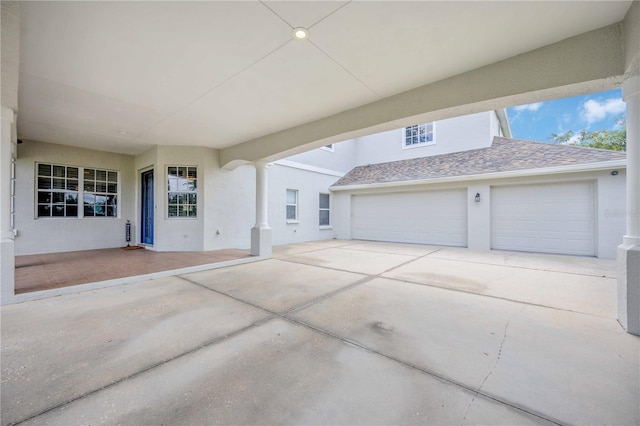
(596, 111)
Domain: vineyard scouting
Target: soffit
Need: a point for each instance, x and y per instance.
(121, 76)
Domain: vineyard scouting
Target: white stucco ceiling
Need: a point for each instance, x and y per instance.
(123, 76)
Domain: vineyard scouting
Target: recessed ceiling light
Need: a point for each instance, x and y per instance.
(300, 33)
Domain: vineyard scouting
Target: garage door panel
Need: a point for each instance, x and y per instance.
(551, 218)
(433, 217)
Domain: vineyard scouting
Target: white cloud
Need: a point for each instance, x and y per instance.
(529, 107)
(594, 111)
(573, 140)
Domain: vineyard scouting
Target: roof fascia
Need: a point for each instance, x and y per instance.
(503, 118)
(575, 168)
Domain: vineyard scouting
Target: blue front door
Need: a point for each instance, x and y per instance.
(147, 208)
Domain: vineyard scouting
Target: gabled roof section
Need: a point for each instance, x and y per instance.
(504, 155)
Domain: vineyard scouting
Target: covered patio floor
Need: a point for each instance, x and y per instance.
(332, 332)
(55, 270)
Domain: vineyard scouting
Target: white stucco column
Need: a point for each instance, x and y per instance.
(261, 233)
(629, 251)
(7, 252)
(479, 217)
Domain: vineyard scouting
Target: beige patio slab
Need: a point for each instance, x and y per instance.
(275, 285)
(580, 293)
(364, 262)
(547, 262)
(57, 349)
(282, 373)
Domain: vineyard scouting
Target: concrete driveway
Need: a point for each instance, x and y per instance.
(334, 332)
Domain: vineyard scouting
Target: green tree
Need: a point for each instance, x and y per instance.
(615, 140)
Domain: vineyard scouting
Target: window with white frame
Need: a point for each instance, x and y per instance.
(59, 189)
(182, 195)
(100, 193)
(292, 205)
(324, 210)
(419, 135)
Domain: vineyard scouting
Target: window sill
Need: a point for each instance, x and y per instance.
(419, 145)
(325, 227)
(77, 217)
(292, 222)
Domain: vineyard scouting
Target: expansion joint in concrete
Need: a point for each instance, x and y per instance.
(506, 299)
(286, 316)
(379, 275)
(527, 268)
(330, 295)
(155, 365)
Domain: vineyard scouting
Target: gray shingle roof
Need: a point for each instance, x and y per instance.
(503, 155)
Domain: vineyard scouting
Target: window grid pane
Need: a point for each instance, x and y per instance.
(291, 212)
(292, 204)
(324, 201)
(324, 218)
(99, 186)
(182, 197)
(291, 196)
(418, 134)
(324, 210)
(44, 169)
(57, 191)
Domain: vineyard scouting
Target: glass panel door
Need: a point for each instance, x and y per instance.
(147, 208)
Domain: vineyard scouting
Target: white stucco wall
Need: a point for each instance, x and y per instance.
(48, 235)
(226, 201)
(610, 202)
(309, 185)
(229, 206)
(341, 214)
(612, 198)
(479, 216)
(341, 159)
(179, 234)
(451, 135)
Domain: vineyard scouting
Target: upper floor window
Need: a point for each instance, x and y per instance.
(59, 189)
(419, 135)
(182, 196)
(292, 205)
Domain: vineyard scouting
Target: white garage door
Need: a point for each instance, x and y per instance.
(555, 218)
(434, 217)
